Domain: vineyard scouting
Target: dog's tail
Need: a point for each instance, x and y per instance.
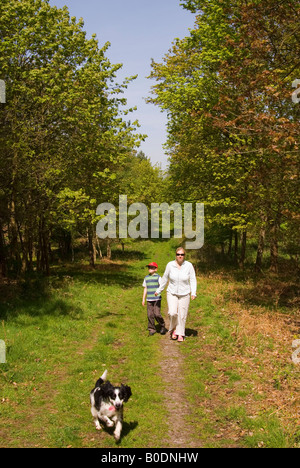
(101, 380)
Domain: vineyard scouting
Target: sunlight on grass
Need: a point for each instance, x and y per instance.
(62, 334)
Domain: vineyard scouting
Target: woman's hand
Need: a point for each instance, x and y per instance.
(193, 297)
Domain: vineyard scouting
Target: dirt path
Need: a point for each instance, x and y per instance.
(176, 403)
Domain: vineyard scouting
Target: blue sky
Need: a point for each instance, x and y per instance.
(138, 31)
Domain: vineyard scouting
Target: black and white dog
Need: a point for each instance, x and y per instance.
(107, 404)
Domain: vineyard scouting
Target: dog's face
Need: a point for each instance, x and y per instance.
(115, 395)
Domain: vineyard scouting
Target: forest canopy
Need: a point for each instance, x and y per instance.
(66, 143)
(233, 127)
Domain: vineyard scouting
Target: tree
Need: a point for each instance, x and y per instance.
(63, 133)
(259, 114)
(232, 131)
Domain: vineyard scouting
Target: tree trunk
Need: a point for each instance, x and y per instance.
(261, 244)
(13, 238)
(24, 251)
(274, 246)
(46, 250)
(243, 249)
(108, 249)
(99, 248)
(236, 246)
(30, 252)
(43, 249)
(92, 246)
(230, 243)
(3, 259)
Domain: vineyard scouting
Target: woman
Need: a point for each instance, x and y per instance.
(182, 284)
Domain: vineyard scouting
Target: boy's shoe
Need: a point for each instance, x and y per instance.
(163, 330)
(152, 332)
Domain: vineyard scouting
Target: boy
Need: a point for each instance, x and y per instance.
(151, 284)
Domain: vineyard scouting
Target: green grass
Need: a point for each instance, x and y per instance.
(63, 332)
(242, 384)
(60, 337)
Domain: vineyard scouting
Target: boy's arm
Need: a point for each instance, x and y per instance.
(144, 296)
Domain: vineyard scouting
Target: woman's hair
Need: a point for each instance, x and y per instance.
(180, 248)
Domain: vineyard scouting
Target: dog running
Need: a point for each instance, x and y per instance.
(107, 404)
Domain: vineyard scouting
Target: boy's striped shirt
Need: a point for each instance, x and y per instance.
(151, 282)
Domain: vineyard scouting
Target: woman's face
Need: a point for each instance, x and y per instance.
(180, 256)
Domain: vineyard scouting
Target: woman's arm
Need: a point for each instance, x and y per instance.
(163, 281)
(193, 282)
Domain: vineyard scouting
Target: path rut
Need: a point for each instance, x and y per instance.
(172, 366)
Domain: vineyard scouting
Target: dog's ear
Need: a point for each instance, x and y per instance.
(127, 392)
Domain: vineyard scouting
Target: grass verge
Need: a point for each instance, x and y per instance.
(239, 369)
(61, 334)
